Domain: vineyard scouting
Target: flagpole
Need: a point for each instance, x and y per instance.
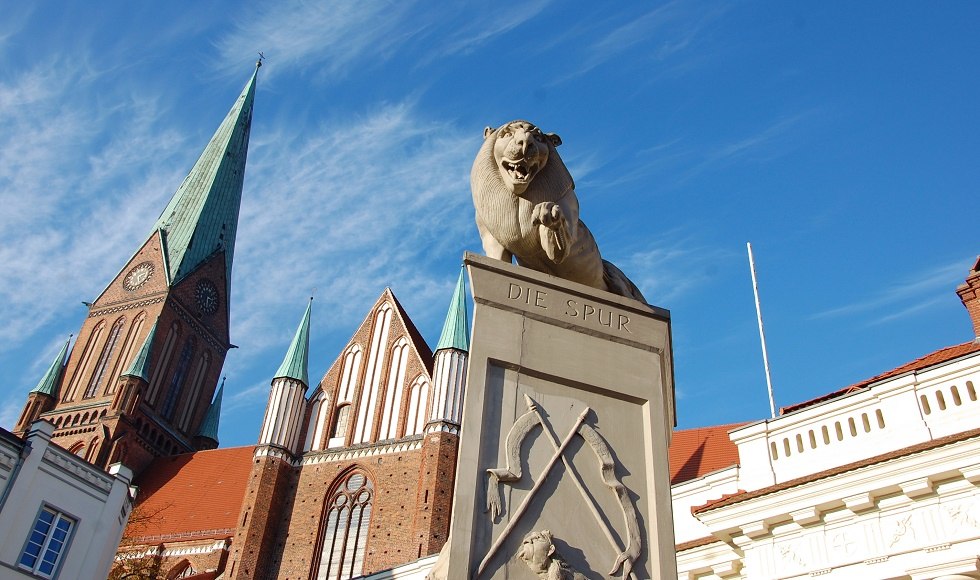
(762, 332)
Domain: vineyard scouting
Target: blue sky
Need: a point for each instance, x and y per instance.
(841, 139)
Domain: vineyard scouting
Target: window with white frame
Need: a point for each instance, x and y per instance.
(47, 542)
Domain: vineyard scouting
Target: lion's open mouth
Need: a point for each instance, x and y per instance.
(520, 171)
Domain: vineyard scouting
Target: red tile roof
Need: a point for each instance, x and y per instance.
(697, 452)
(190, 496)
(940, 356)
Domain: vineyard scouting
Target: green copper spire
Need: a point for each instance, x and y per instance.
(297, 357)
(140, 367)
(202, 216)
(209, 427)
(49, 382)
(455, 332)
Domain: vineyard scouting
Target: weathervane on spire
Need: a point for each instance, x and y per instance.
(258, 63)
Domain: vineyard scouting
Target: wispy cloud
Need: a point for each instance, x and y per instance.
(10, 411)
(244, 398)
(915, 292)
(380, 200)
(487, 21)
(327, 37)
(671, 265)
(660, 35)
(56, 158)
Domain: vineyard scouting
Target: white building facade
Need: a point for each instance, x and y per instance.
(60, 516)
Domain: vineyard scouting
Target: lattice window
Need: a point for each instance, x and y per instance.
(46, 543)
(344, 529)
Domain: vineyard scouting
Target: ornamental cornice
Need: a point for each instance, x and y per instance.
(913, 476)
(349, 453)
(121, 306)
(70, 464)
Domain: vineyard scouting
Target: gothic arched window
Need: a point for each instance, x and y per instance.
(160, 367)
(126, 352)
(99, 371)
(177, 384)
(340, 420)
(84, 362)
(344, 529)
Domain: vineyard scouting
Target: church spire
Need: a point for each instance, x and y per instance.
(455, 331)
(42, 397)
(450, 365)
(48, 385)
(295, 365)
(202, 216)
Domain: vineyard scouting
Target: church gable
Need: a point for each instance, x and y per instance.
(143, 277)
(378, 388)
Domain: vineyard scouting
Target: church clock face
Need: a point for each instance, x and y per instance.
(207, 296)
(138, 276)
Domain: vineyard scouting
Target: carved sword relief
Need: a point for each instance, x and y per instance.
(510, 473)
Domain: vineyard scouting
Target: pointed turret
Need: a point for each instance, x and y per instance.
(295, 365)
(449, 367)
(455, 331)
(207, 435)
(134, 380)
(287, 397)
(42, 398)
(48, 384)
(140, 367)
(202, 216)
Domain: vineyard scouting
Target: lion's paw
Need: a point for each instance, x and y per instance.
(548, 214)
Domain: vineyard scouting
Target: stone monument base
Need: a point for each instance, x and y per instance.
(567, 417)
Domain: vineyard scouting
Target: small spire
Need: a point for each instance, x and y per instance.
(455, 331)
(48, 384)
(140, 367)
(295, 365)
(209, 427)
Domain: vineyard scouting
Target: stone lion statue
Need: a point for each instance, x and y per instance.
(526, 208)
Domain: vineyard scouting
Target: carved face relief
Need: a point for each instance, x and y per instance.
(520, 152)
(536, 551)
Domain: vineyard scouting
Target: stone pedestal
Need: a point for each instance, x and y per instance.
(566, 422)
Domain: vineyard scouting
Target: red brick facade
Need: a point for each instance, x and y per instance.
(87, 413)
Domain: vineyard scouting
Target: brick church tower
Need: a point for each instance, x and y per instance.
(139, 382)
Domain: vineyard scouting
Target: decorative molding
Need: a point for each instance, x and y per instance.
(860, 502)
(123, 306)
(70, 464)
(755, 529)
(347, 453)
(7, 460)
(189, 550)
(917, 488)
(806, 516)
